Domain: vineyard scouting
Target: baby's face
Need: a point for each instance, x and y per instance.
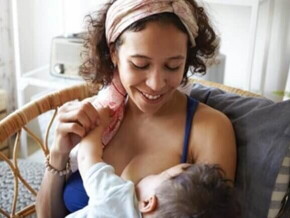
(147, 186)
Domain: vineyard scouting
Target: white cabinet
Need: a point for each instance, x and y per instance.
(42, 78)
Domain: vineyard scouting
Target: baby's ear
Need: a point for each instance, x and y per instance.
(148, 205)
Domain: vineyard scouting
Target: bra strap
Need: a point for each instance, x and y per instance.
(190, 111)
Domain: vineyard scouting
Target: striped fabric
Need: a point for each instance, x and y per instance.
(281, 187)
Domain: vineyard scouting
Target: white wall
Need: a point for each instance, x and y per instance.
(41, 20)
(75, 12)
(233, 23)
(38, 21)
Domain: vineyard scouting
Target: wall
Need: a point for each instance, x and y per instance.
(39, 21)
(232, 23)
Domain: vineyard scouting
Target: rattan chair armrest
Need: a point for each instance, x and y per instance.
(16, 120)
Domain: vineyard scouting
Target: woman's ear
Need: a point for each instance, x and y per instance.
(148, 205)
(114, 55)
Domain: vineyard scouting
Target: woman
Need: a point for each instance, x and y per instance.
(149, 45)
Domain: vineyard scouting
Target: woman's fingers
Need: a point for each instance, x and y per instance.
(91, 112)
(75, 120)
(82, 113)
(75, 128)
(78, 117)
(106, 115)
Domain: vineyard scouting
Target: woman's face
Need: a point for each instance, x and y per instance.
(151, 64)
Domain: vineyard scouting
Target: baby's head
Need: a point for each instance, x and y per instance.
(188, 190)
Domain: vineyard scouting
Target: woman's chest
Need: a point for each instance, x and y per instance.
(139, 150)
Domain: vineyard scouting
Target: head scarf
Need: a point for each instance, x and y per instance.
(120, 15)
(123, 13)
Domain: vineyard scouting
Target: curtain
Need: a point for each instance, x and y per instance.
(276, 82)
(287, 88)
(7, 72)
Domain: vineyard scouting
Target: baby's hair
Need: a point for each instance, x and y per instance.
(200, 191)
(98, 67)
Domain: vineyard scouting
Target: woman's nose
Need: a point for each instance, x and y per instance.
(156, 81)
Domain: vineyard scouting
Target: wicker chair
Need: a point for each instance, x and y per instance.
(17, 121)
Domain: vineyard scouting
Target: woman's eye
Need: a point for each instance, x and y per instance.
(141, 67)
(172, 68)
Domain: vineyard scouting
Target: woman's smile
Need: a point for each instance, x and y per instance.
(151, 98)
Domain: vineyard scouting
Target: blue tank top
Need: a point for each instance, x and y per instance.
(74, 194)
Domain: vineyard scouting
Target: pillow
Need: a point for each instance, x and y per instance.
(280, 189)
(262, 130)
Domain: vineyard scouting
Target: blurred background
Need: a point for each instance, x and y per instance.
(40, 49)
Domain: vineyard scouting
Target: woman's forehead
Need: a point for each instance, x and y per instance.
(156, 30)
(155, 39)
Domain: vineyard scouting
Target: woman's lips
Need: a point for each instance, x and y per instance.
(151, 97)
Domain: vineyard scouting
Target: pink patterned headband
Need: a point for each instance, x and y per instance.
(123, 13)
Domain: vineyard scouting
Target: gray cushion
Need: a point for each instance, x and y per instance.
(262, 130)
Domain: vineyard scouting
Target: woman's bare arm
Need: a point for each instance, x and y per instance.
(75, 120)
(215, 142)
(49, 200)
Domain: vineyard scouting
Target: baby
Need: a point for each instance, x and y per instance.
(185, 190)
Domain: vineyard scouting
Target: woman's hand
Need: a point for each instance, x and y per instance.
(75, 120)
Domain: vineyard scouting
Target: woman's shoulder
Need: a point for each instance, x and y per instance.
(207, 115)
(214, 139)
(212, 123)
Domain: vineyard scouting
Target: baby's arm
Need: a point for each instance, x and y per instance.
(91, 148)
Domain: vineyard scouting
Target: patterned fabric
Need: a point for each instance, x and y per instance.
(32, 172)
(113, 97)
(123, 13)
(281, 187)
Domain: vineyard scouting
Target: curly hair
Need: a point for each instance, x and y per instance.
(201, 191)
(98, 67)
